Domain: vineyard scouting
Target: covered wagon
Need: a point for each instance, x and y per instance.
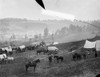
(52, 50)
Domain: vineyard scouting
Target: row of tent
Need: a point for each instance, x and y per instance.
(95, 44)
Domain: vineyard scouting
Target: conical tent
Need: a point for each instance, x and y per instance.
(40, 2)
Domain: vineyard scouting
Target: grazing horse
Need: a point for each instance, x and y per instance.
(32, 64)
(58, 58)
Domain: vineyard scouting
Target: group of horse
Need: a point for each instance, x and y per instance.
(83, 53)
(52, 55)
(55, 57)
(50, 59)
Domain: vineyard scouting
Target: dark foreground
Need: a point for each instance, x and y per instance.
(69, 68)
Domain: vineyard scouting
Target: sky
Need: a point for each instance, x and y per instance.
(29, 9)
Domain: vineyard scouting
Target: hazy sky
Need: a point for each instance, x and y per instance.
(81, 9)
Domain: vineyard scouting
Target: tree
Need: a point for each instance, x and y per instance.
(63, 31)
(46, 32)
(13, 37)
(36, 37)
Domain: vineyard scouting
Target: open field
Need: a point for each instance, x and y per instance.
(83, 68)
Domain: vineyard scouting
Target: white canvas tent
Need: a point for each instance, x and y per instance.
(89, 44)
(22, 47)
(95, 44)
(52, 48)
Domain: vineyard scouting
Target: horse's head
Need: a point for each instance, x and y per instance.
(38, 60)
(76, 54)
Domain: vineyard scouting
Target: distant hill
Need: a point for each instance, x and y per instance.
(22, 25)
(72, 32)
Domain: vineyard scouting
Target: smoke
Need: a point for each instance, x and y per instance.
(58, 14)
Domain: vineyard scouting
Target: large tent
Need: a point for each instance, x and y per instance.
(89, 44)
(95, 44)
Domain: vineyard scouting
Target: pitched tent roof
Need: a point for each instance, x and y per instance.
(89, 44)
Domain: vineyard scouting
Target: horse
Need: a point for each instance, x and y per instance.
(77, 56)
(50, 58)
(44, 51)
(58, 58)
(32, 64)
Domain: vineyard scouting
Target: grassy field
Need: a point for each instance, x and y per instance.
(83, 68)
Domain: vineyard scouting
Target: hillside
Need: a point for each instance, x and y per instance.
(23, 25)
(76, 44)
(63, 30)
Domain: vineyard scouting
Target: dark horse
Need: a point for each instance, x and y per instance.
(50, 58)
(58, 58)
(76, 56)
(44, 51)
(32, 64)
